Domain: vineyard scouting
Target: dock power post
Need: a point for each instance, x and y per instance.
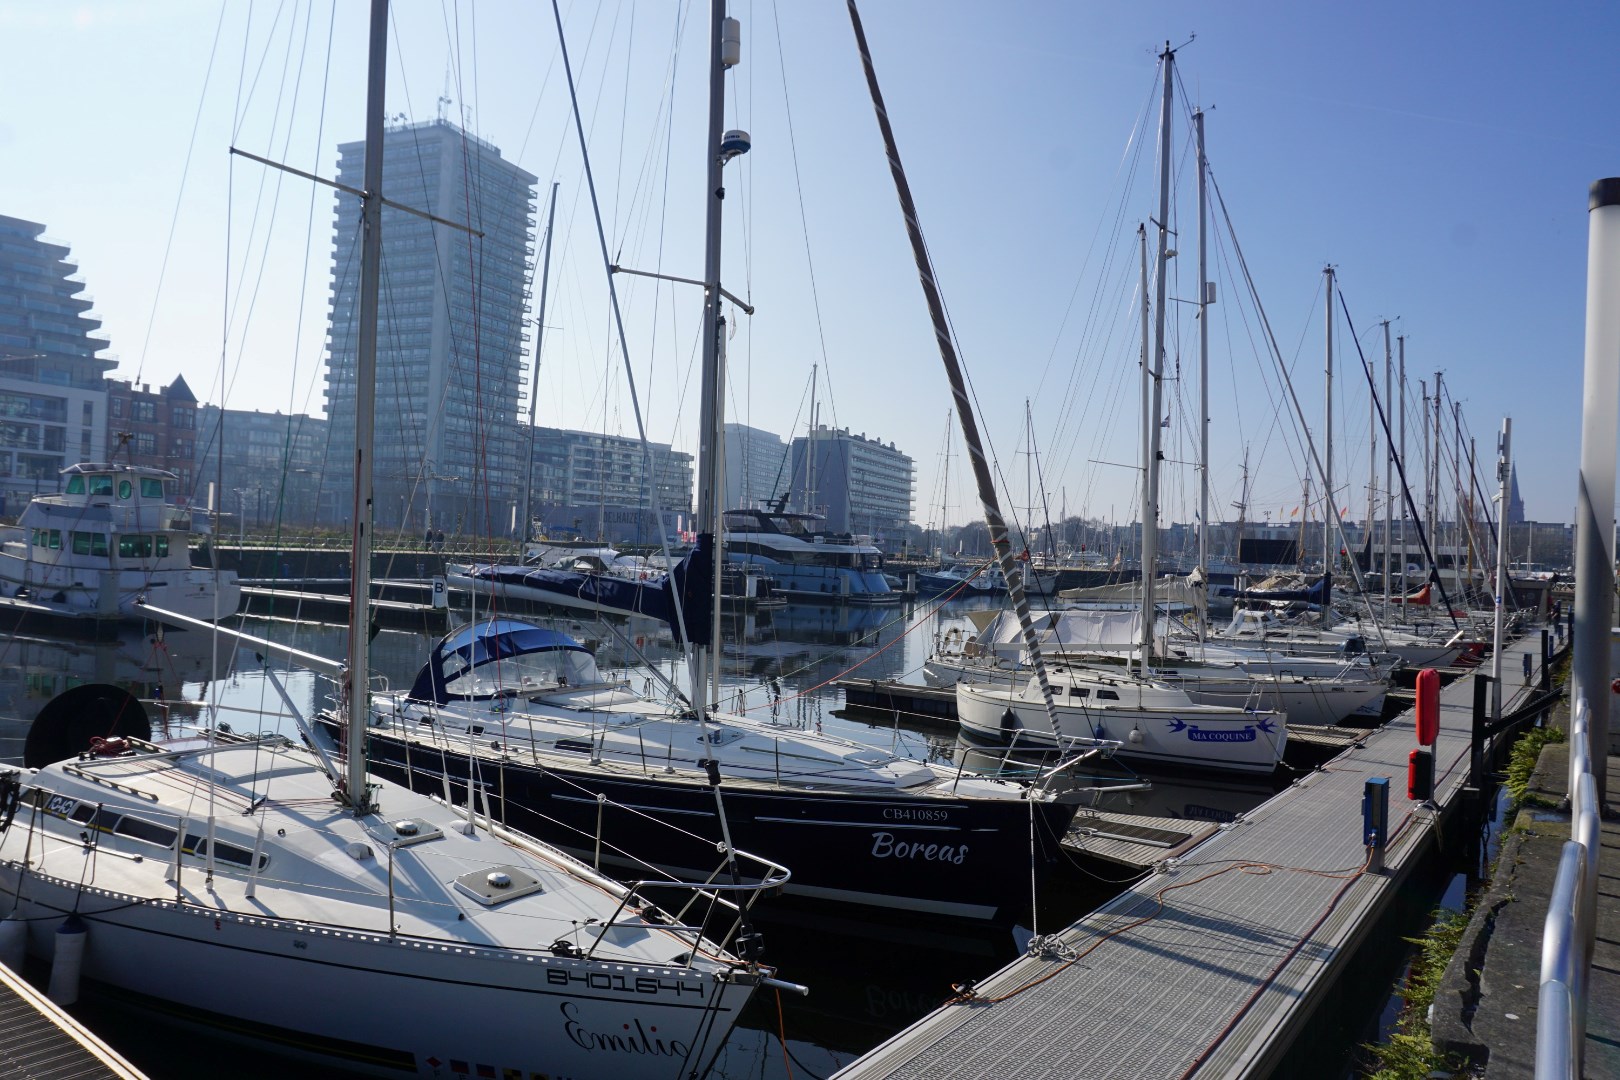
(1375, 821)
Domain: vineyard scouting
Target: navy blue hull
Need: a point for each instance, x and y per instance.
(965, 858)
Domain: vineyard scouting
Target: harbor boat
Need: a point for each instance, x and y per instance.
(294, 898)
(1307, 690)
(219, 876)
(112, 539)
(600, 581)
(805, 561)
(553, 748)
(1157, 726)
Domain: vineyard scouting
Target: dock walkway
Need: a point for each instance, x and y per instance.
(1209, 967)
(41, 1042)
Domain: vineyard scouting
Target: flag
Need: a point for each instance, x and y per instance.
(1294, 512)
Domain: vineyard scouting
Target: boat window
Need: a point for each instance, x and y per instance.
(89, 543)
(151, 487)
(75, 485)
(1079, 691)
(48, 538)
(136, 546)
(137, 829)
(162, 545)
(529, 672)
(98, 820)
(125, 489)
(223, 852)
(1107, 695)
(101, 485)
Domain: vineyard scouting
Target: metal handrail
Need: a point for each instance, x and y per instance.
(1571, 926)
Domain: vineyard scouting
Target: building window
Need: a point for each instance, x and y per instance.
(55, 439)
(182, 418)
(89, 414)
(145, 443)
(115, 407)
(143, 411)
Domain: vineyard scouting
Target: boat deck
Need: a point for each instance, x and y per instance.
(40, 1041)
(1209, 966)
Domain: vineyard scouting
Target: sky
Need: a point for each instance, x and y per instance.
(1438, 155)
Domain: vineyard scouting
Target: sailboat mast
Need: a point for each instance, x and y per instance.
(1401, 342)
(1389, 478)
(1327, 442)
(539, 343)
(712, 419)
(365, 415)
(1203, 373)
(1434, 467)
(1504, 472)
(1150, 499)
(1147, 449)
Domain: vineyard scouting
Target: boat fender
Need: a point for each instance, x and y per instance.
(1135, 736)
(13, 942)
(1010, 721)
(67, 960)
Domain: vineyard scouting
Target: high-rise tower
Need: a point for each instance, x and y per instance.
(451, 341)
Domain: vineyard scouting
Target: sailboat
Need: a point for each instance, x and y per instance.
(255, 884)
(1158, 722)
(516, 720)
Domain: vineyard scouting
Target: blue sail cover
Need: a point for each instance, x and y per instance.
(693, 580)
(497, 639)
(1318, 593)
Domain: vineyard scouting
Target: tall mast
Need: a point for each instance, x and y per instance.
(723, 54)
(365, 415)
(1389, 477)
(1147, 449)
(1504, 472)
(1150, 500)
(1203, 376)
(1327, 442)
(1401, 341)
(539, 343)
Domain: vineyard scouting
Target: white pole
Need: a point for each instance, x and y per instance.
(1203, 382)
(1594, 507)
(1389, 472)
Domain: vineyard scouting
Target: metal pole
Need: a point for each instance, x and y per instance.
(713, 411)
(365, 415)
(1147, 448)
(1327, 442)
(539, 343)
(1401, 341)
(1504, 463)
(1594, 507)
(1389, 477)
(1203, 378)
(1150, 502)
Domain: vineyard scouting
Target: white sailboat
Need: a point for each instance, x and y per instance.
(250, 883)
(1158, 723)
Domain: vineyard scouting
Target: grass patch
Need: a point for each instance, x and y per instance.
(1409, 1055)
(1522, 763)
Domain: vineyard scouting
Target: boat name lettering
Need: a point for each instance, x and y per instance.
(885, 846)
(1245, 735)
(641, 984)
(61, 805)
(639, 1040)
(896, 813)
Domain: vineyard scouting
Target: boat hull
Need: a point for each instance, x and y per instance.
(1223, 740)
(399, 1006)
(941, 855)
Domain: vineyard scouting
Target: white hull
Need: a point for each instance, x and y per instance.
(389, 1006)
(1183, 736)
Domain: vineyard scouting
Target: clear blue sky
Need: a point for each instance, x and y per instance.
(1438, 154)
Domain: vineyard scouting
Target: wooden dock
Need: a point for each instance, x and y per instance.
(40, 1041)
(1212, 965)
